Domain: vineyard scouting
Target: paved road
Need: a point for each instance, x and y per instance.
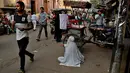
(46, 54)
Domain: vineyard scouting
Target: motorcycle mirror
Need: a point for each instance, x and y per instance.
(121, 24)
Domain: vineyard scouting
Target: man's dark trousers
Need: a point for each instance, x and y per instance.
(22, 44)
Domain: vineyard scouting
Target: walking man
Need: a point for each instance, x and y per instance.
(22, 22)
(43, 23)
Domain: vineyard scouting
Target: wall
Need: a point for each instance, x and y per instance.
(38, 3)
(1, 3)
(11, 3)
(51, 4)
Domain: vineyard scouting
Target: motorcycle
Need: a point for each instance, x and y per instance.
(2, 29)
(103, 36)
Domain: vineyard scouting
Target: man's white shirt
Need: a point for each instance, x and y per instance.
(21, 34)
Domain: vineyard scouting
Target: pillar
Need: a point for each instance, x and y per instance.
(45, 5)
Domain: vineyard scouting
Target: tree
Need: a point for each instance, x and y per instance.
(95, 2)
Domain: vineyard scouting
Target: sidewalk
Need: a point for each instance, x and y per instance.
(97, 60)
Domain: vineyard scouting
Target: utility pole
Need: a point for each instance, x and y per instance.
(119, 36)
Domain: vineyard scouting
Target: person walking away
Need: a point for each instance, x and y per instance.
(34, 21)
(58, 31)
(43, 23)
(11, 21)
(22, 23)
(52, 18)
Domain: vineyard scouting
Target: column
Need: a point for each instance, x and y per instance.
(45, 6)
(53, 3)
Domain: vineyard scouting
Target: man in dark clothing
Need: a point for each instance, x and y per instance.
(21, 21)
(58, 31)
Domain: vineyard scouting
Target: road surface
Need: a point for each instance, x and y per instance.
(46, 52)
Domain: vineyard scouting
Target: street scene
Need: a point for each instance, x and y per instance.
(64, 36)
(46, 53)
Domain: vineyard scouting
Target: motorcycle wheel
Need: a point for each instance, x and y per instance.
(100, 44)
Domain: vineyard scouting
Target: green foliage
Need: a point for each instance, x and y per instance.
(95, 2)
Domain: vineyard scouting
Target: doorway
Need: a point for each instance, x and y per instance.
(33, 7)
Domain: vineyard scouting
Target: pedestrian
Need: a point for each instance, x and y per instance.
(12, 24)
(29, 13)
(43, 23)
(52, 18)
(34, 21)
(22, 23)
(99, 19)
(58, 31)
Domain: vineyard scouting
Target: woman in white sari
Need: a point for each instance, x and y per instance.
(72, 56)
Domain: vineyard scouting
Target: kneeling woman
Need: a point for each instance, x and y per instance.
(72, 56)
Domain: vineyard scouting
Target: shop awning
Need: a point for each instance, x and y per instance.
(77, 4)
(60, 9)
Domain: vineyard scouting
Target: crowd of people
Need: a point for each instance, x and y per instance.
(6, 22)
(54, 19)
(62, 18)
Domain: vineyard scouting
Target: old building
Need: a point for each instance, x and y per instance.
(34, 5)
(9, 5)
(48, 4)
(52, 4)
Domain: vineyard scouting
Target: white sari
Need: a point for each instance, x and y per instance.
(72, 56)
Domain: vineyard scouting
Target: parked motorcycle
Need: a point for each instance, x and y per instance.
(103, 36)
(2, 29)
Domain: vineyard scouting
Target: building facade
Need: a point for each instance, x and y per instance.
(11, 3)
(35, 5)
(47, 4)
